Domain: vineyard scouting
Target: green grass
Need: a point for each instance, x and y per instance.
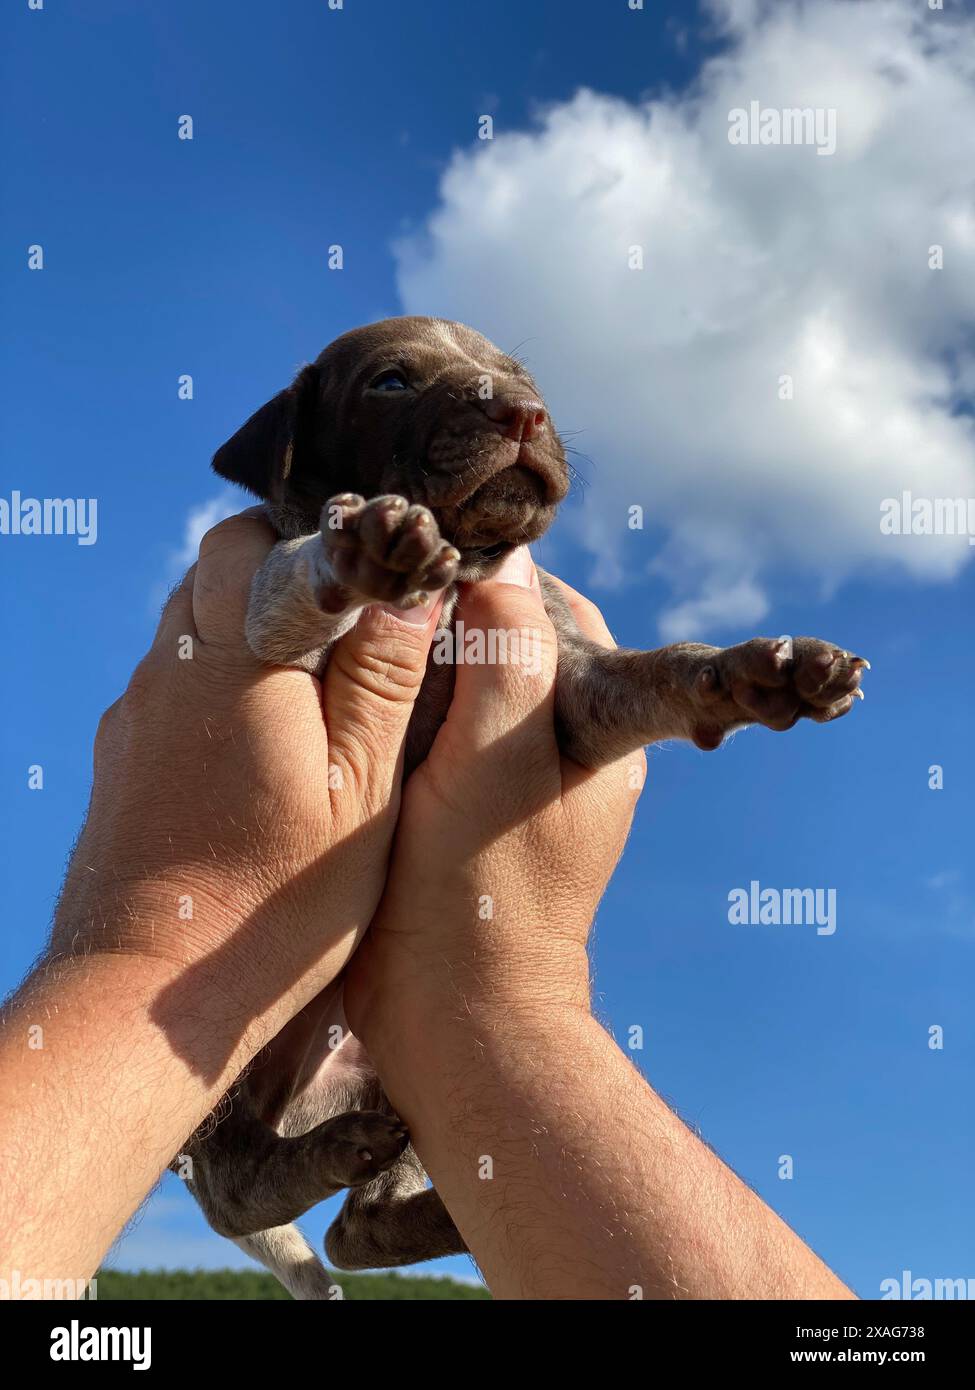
(193, 1284)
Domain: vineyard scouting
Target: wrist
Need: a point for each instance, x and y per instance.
(147, 1081)
(195, 1020)
(185, 921)
(192, 959)
(420, 1016)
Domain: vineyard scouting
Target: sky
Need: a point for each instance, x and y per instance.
(752, 347)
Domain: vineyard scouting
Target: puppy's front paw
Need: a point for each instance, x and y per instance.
(385, 550)
(363, 1144)
(774, 681)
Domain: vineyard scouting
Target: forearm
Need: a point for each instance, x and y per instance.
(96, 1098)
(568, 1176)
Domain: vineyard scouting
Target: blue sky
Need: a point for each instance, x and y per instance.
(209, 257)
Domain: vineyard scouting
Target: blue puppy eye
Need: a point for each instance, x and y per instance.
(389, 381)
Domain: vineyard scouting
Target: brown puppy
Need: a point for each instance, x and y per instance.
(411, 454)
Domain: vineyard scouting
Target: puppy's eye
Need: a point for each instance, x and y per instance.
(389, 381)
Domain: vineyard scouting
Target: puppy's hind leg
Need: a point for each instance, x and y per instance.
(248, 1179)
(285, 1252)
(394, 1220)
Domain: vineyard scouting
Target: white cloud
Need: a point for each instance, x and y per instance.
(198, 522)
(760, 262)
(740, 604)
(956, 907)
(169, 1232)
(947, 878)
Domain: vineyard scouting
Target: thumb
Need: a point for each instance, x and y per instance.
(510, 690)
(369, 690)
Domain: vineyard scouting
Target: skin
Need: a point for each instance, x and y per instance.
(598, 1191)
(211, 781)
(211, 787)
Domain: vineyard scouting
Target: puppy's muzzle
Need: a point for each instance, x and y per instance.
(513, 437)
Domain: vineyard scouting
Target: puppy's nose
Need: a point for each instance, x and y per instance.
(516, 417)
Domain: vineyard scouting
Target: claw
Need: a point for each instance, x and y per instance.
(413, 600)
(858, 694)
(707, 680)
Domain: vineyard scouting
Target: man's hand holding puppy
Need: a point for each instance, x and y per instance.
(258, 803)
(212, 792)
(504, 848)
(567, 1176)
(235, 848)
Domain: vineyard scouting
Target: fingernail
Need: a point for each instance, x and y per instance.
(516, 568)
(419, 613)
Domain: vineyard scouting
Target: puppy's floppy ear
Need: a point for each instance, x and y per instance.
(260, 456)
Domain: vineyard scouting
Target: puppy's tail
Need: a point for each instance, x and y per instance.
(285, 1252)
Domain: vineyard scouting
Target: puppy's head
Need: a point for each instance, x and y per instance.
(421, 407)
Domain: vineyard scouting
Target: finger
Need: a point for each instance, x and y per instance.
(590, 620)
(176, 620)
(371, 681)
(504, 652)
(230, 553)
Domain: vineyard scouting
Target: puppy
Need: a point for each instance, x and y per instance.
(410, 455)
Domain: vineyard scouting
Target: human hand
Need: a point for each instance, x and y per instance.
(503, 849)
(480, 1027)
(241, 816)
